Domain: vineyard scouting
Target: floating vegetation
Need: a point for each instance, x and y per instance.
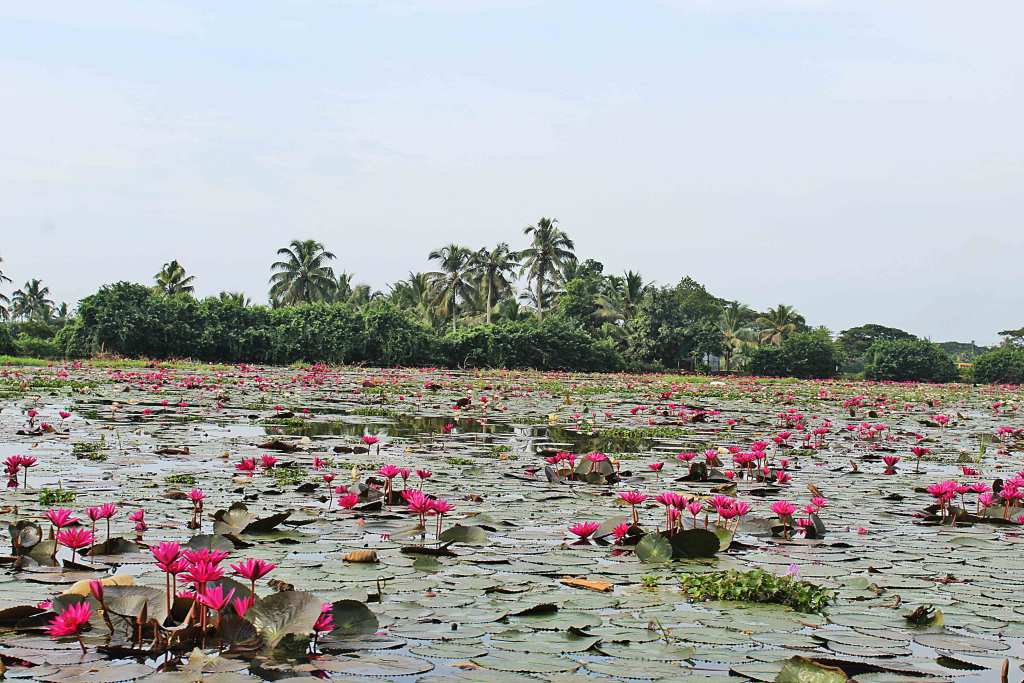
(756, 585)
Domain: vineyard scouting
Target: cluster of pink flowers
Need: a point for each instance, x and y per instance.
(424, 505)
(11, 466)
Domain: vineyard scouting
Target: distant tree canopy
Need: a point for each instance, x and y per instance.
(909, 360)
(1004, 365)
(540, 306)
(804, 354)
(856, 340)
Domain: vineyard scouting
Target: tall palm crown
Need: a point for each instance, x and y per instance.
(303, 276)
(342, 288)
(493, 270)
(550, 250)
(452, 285)
(172, 279)
(5, 312)
(621, 297)
(777, 324)
(415, 294)
(235, 298)
(738, 336)
(31, 301)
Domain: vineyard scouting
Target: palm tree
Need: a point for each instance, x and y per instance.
(5, 312)
(342, 288)
(777, 324)
(61, 313)
(621, 297)
(362, 295)
(549, 252)
(172, 279)
(235, 298)
(31, 301)
(739, 338)
(492, 270)
(415, 294)
(452, 285)
(303, 276)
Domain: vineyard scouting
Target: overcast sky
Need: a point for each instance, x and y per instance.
(861, 160)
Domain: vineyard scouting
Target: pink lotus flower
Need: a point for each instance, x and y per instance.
(194, 555)
(196, 496)
(348, 502)
(253, 570)
(370, 440)
(201, 573)
(214, 597)
(165, 554)
(388, 471)
(325, 622)
(75, 538)
(784, 509)
(632, 497)
(584, 529)
(60, 517)
(620, 531)
(70, 621)
(241, 606)
(268, 461)
(248, 465)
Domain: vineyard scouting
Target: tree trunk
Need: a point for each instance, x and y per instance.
(540, 294)
(487, 303)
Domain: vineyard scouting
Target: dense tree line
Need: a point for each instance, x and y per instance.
(539, 307)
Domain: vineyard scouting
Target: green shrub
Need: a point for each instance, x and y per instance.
(1003, 366)
(755, 585)
(906, 360)
(7, 347)
(804, 354)
(35, 347)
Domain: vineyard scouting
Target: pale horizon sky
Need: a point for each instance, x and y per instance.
(861, 161)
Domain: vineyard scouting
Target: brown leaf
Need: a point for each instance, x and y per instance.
(589, 584)
(361, 556)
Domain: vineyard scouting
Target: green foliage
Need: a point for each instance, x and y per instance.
(288, 476)
(181, 478)
(6, 341)
(674, 326)
(909, 360)
(90, 450)
(856, 340)
(1004, 365)
(58, 496)
(756, 585)
(555, 343)
(36, 347)
(803, 354)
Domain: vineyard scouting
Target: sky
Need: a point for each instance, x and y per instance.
(860, 160)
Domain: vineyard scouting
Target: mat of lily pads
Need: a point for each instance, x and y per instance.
(364, 524)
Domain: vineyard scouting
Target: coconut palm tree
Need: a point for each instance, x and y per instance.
(31, 301)
(542, 262)
(61, 313)
(739, 338)
(621, 297)
(235, 298)
(172, 279)
(5, 312)
(493, 271)
(777, 324)
(452, 285)
(303, 276)
(414, 294)
(342, 288)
